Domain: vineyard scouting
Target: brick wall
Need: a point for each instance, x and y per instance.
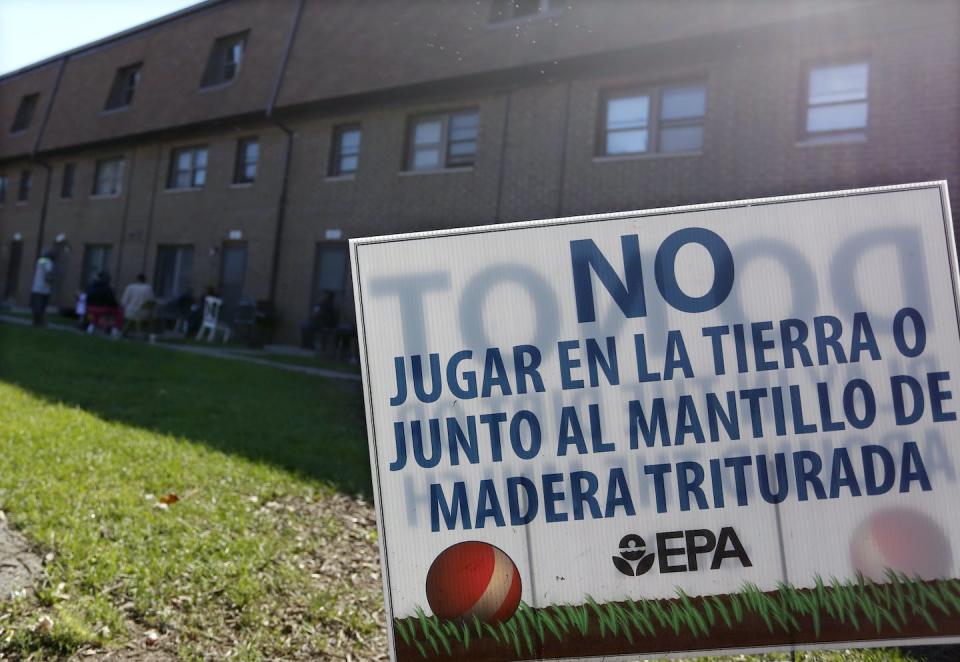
(536, 158)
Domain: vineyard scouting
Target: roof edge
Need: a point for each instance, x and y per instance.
(116, 36)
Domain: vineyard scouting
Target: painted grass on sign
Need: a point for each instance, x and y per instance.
(861, 603)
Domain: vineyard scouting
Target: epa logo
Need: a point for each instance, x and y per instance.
(681, 551)
(634, 560)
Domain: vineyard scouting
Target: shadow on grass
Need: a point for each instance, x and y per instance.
(310, 426)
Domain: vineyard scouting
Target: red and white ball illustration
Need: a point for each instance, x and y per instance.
(473, 580)
(903, 540)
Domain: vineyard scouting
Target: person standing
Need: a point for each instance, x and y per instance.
(42, 285)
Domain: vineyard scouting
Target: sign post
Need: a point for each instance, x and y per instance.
(725, 427)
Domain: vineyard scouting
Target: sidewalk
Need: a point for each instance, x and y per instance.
(245, 355)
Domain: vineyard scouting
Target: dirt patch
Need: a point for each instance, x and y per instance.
(340, 553)
(19, 565)
(137, 650)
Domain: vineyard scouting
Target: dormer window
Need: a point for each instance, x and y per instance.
(28, 104)
(124, 86)
(226, 57)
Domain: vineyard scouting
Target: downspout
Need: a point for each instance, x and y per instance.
(498, 216)
(288, 152)
(562, 175)
(43, 164)
(126, 213)
(158, 178)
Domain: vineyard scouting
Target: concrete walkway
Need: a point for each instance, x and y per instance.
(246, 356)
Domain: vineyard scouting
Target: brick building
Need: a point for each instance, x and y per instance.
(238, 144)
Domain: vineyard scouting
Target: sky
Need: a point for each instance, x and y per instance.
(33, 30)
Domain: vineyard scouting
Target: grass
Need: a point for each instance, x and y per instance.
(264, 556)
(861, 604)
(241, 349)
(51, 318)
(234, 346)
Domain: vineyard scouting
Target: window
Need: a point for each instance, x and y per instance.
(3, 189)
(664, 119)
(124, 85)
(96, 258)
(443, 141)
(26, 183)
(173, 271)
(109, 177)
(225, 58)
(505, 11)
(24, 115)
(837, 101)
(245, 168)
(188, 168)
(66, 184)
(345, 154)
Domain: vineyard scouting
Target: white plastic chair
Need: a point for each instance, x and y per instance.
(211, 320)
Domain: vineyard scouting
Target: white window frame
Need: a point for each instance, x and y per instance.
(443, 145)
(242, 162)
(655, 123)
(225, 60)
(108, 178)
(338, 153)
(175, 170)
(124, 87)
(833, 135)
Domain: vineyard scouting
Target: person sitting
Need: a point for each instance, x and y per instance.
(138, 303)
(102, 304)
(323, 320)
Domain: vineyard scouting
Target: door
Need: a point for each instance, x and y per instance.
(173, 272)
(233, 267)
(330, 275)
(96, 258)
(13, 270)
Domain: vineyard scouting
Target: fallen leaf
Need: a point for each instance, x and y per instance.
(169, 498)
(44, 625)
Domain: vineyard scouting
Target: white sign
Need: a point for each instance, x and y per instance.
(668, 431)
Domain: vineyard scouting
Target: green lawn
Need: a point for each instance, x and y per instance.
(264, 556)
(234, 346)
(270, 553)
